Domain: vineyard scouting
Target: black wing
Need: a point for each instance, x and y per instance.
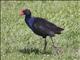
(43, 26)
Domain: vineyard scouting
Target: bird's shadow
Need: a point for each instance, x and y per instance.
(33, 50)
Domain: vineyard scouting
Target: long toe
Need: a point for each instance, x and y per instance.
(57, 50)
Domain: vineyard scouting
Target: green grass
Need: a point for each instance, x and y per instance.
(15, 34)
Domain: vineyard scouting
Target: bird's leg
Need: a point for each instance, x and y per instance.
(52, 42)
(58, 49)
(45, 42)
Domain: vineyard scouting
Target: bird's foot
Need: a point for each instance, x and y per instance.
(44, 51)
(57, 50)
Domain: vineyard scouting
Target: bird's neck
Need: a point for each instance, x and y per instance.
(27, 18)
(29, 21)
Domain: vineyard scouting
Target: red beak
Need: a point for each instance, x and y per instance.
(21, 13)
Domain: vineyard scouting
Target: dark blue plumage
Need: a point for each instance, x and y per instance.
(41, 26)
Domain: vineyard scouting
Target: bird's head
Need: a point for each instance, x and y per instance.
(26, 12)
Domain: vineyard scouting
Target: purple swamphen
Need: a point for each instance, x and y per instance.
(40, 26)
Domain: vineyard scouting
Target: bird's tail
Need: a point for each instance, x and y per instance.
(59, 30)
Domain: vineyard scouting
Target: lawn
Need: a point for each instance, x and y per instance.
(16, 37)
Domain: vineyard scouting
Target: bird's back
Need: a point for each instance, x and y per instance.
(44, 28)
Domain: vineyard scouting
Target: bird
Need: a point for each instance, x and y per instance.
(40, 26)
